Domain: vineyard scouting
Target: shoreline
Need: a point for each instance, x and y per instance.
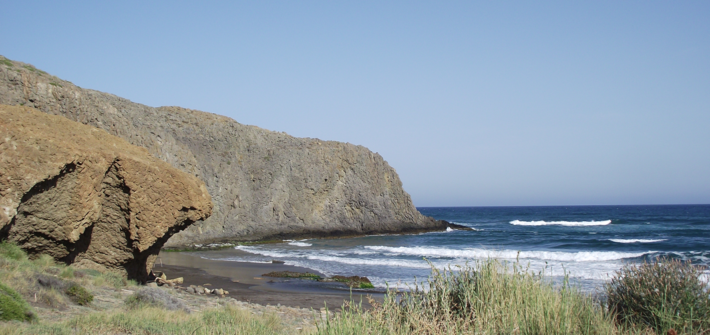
(219, 243)
(245, 282)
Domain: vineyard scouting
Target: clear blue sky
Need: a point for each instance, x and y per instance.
(473, 103)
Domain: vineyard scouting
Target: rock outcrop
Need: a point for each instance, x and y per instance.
(89, 198)
(264, 184)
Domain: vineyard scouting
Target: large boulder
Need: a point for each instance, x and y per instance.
(89, 198)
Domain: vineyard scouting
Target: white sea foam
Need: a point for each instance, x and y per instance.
(560, 223)
(620, 240)
(581, 256)
(449, 229)
(337, 258)
(299, 243)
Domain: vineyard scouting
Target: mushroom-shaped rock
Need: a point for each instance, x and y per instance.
(85, 197)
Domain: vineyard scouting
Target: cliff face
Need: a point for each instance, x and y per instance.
(263, 183)
(83, 196)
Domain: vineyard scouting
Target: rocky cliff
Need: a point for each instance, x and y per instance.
(89, 198)
(263, 183)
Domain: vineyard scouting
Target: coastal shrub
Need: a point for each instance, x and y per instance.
(12, 306)
(12, 251)
(51, 282)
(155, 297)
(74, 291)
(79, 295)
(667, 294)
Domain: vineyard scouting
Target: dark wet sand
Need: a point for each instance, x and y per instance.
(245, 282)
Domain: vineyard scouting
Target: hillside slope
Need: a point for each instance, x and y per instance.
(263, 183)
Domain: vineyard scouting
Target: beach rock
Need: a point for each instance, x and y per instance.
(353, 281)
(88, 198)
(264, 184)
(292, 274)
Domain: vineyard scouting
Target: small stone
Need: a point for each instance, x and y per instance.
(151, 284)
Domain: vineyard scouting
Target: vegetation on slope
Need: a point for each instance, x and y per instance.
(62, 303)
(489, 297)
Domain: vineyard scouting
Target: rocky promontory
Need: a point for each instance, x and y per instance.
(264, 184)
(89, 198)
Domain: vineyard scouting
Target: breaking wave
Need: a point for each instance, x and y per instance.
(580, 256)
(621, 240)
(338, 258)
(299, 243)
(560, 223)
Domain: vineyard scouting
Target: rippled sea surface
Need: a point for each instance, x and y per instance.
(589, 243)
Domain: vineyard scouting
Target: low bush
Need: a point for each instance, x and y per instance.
(12, 251)
(79, 295)
(12, 306)
(74, 291)
(51, 282)
(667, 294)
(155, 297)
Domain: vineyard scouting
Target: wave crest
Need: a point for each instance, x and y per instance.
(299, 243)
(560, 223)
(580, 256)
(621, 240)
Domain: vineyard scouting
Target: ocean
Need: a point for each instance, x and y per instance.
(588, 243)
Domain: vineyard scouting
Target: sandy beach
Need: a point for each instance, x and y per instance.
(245, 282)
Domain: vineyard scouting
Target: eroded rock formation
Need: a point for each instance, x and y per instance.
(89, 198)
(263, 183)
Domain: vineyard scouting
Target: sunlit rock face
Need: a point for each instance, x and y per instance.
(263, 184)
(89, 198)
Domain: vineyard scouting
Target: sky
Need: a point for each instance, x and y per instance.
(474, 103)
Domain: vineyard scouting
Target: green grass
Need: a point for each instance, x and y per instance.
(19, 282)
(486, 298)
(55, 84)
(6, 62)
(33, 69)
(68, 285)
(79, 295)
(155, 320)
(13, 307)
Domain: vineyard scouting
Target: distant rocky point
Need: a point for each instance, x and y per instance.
(88, 198)
(264, 184)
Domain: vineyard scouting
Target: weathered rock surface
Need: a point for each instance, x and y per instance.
(89, 198)
(264, 184)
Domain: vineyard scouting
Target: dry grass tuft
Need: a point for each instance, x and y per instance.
(487, 298)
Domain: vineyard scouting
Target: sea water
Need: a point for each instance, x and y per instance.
(587, 243)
